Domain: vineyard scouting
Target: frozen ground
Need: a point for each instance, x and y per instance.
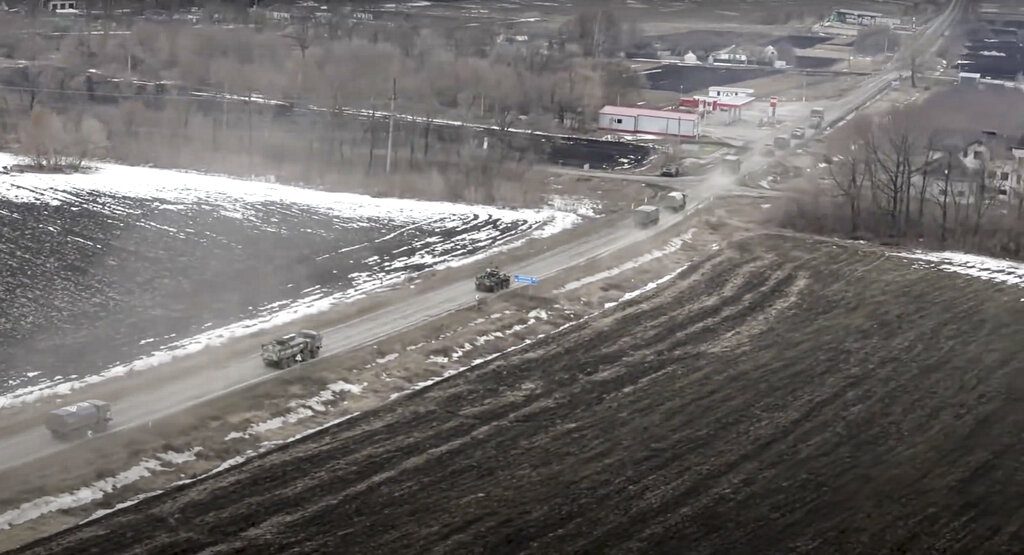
(893, 427)
(100, 270)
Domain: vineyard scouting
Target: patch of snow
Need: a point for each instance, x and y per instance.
(581, 206)
(983, 267)
(672, 246)
(94, 491)
(300, 409)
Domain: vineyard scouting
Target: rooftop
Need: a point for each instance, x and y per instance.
(624, 111)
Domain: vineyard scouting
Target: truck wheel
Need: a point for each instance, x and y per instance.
(316, 352)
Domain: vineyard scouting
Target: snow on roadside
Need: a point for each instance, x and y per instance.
(672, 246)
(581, 206)
(989, 269)
(93, 492)
(301, 409)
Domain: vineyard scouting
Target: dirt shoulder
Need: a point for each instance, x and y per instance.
(713, 397)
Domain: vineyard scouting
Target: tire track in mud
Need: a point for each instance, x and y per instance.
(498, 415)
(854, 418)
(606, 385)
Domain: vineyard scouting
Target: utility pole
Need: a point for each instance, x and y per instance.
(391, 123)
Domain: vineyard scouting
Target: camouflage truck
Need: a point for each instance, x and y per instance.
(492, 281)
(79, 419)
(291, 349)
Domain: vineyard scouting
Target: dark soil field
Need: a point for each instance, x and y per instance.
(692, 79)
(785, 394)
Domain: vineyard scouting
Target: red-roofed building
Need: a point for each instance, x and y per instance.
(655, 122)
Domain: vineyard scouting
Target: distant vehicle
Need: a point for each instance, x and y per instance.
(675, 201)
(732, 164)
(799, 133)
(492, 281)
(80, 418)
(767, 151)
(817, 113)
(781, 142)
(670, 171)
(291, 349)
(646, 215)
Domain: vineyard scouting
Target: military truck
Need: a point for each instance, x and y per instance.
(291, 349)
(781, 142)
(817, 113)
(670, 171)
(675, 201)
(732, 164)
(646, 215)
(80, 418)
(492, 281)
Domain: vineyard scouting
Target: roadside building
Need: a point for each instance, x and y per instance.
(656, 122)
(861, 18)
(729, 92)
(60, 5)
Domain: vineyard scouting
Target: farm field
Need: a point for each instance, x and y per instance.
(762, 397)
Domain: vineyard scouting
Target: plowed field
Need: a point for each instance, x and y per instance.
(784, 394)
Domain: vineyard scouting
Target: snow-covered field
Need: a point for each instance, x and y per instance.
(121, 268)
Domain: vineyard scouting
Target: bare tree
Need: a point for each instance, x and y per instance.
(848, 174)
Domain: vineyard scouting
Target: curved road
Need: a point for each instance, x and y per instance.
(194, 388)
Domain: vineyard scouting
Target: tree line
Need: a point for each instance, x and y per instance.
(905, 176)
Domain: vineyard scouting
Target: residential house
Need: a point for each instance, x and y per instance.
(60, 5)
(976, 157)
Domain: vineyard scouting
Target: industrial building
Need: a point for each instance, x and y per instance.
(658, 122)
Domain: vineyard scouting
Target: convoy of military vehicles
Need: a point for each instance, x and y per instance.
(283, 352)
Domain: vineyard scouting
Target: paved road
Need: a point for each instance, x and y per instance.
(196, 387)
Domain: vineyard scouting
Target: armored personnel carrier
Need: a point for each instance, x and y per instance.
(492, 281)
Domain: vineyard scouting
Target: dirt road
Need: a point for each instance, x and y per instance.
(763, 401)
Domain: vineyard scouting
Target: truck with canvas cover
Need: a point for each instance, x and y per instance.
(492, 281)
(80, 418)
(646, 215)
(675, 201)
(291, 349)
(732, 164)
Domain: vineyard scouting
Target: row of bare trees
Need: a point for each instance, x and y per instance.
(905, 176)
